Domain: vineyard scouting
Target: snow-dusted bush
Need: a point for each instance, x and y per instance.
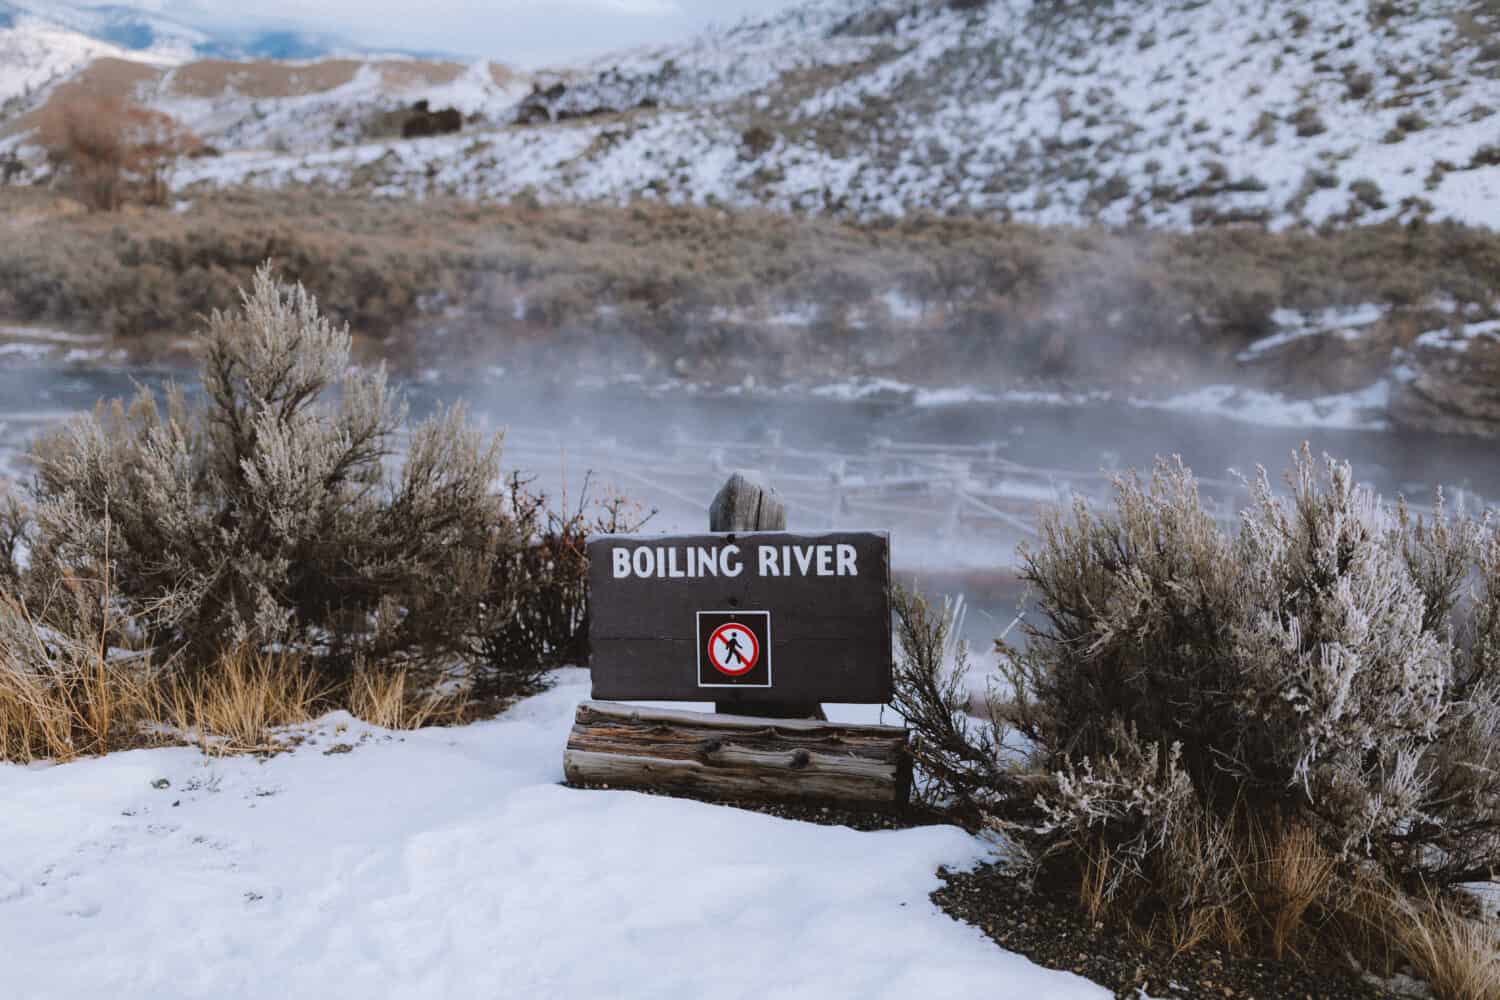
(1327, 671)
(14, 519)
(271, 513)
(111, 149)
(536, 614)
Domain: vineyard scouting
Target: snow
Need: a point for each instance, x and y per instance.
(39, 344)
(1361, 410)
(1459, 339)
(25, 350)
(48, 335)
(451, 862)
(1292, 325)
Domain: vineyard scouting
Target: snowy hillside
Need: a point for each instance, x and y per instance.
(1172, 113)
(46, 42)
(450, 862)
(310, 107)
(1159, 112)
(36, 52)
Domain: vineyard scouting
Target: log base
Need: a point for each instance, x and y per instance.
(737, 757)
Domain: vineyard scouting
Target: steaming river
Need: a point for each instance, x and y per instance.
(930, 473)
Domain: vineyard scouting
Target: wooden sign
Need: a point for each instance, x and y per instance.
(773, 617)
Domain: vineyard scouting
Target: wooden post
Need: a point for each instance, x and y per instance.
(737, 756)
(745, 504)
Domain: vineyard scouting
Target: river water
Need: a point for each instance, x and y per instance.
(956, 482)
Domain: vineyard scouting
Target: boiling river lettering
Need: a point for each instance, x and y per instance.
(662, 562)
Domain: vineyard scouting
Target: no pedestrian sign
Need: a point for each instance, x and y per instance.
(803, 618)
(734, 649)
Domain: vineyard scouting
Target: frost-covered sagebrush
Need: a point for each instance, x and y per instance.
(271, 510)
(1185, 693)
(13, 525)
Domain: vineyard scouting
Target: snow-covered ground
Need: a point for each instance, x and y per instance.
(1460, 338)
(451, 862)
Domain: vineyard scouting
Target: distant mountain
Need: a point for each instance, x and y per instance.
(237, 87)
(1175, 113)
(44, 41)
(184, 33)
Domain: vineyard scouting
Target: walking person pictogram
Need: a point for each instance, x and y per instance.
(732, 648)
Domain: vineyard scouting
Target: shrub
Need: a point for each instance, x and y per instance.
(231, 562)
(14, 519)
(1308, 121)
(536, 608)
(111, 149)
(1360, 85)
(1411, 121)
(1195, 703)
(1367, 193)
(270, 512)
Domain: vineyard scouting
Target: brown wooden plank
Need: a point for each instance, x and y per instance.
(822, 671)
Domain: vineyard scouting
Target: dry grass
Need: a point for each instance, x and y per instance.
(390, 700)
(1294, 873)
(1293, 903)
(233, 707)
(503, 75)
(1458, 954)
(405, 74)
(274, 79)
(61, 699)
(106, 704)
(1445, 940)
(68, 693)
(262, 79)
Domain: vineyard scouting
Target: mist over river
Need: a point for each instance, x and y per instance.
(957, 482)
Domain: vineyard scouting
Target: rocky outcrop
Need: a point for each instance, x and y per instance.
(1450, 383)
(421, 121)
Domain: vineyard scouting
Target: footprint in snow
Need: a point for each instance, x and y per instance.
(10, 888)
